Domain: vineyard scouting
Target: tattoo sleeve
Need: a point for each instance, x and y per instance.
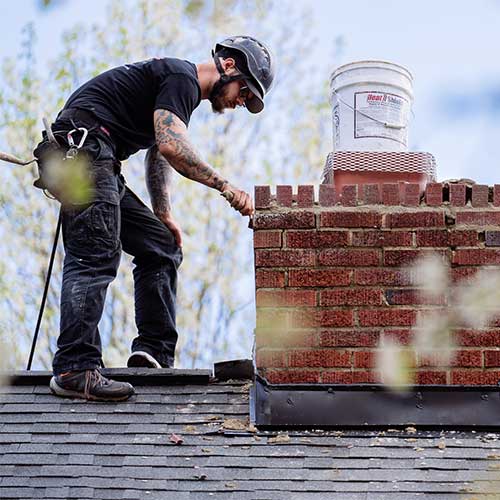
(158, 178)
(173, 142)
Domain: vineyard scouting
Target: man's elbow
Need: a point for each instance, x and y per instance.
(166, 150)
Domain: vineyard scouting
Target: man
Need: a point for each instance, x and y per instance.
(146, 105)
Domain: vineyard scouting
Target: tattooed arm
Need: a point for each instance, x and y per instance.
(158, 178)
(173, 143)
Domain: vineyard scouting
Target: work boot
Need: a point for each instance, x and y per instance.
(142, 359)
(90, 384)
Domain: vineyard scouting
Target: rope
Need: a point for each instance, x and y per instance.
(46, 289)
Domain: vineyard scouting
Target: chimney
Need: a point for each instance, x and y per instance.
(333, 281)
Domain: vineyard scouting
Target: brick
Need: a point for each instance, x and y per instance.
(267, 239)
(463, 274)
(293, 219)
(335, 318)
(269, 358)
(411, 194)
(371, 194)
(477, 338)
(408, 257)
(365, 359)
(349, 338)
(434, 194)
(348, 257)
(399, 277)
(382, 239)
(474, 377)
(280, 298)
(492, 238)
(284, 196)
(262, 196)
(466, 359)
(491, 359)
(430, 377)
(319, 278)
(319, 359)
(457, 195)
(464, 238)
(496, 195)
(387, 317)
(288, 376)
(337, 377)
(351, 297)
(316, 239)
(327, 195)
(284, 258)
(390, 194)
(444, 238)
(412, 297)
(349, 196)
(400, 336)
(341, 218)
(284, 338)
(366, 377)
(305, 196)
(368, 359)
(415, 219)
(269, 279)
(432, 238)
(478, 218)
(272, 319)
(479, 195)
(478, 256)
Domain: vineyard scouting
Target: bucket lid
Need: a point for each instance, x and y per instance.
(371, 64)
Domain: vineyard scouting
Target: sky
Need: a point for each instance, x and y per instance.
(451, 48)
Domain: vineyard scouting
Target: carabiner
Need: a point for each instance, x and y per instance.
(71, 142)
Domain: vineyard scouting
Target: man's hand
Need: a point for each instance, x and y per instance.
(238, 199)
(169, 221)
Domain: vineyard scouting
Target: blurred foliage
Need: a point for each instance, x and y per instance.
(47, 4)
(285, 144)
(473, 302)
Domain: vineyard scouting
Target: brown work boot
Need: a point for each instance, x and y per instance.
(90, 384)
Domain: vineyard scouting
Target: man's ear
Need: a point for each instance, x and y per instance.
(228, 64)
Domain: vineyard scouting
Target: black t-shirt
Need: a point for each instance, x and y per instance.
(124, 99)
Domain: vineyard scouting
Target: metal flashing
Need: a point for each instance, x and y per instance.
(374, 405)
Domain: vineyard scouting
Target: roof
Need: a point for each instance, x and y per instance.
(64, 448)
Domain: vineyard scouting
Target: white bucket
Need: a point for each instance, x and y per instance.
(371, 106)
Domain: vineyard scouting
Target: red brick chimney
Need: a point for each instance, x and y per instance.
(332, 278)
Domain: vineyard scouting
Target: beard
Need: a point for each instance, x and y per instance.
(218, 102)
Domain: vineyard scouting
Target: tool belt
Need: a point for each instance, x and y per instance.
(65, 144)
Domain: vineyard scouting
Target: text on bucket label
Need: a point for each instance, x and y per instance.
(373, 109)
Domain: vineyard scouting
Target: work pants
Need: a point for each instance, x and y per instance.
(94, 235)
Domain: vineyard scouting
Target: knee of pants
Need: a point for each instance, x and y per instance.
(93, 229)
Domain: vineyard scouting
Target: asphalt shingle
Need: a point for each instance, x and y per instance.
(57, 448)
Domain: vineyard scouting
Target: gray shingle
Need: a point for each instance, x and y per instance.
(81, 492)
(65, 448)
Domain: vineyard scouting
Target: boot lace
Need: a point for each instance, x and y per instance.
(92, 379)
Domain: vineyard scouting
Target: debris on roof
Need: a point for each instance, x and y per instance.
(195, 441)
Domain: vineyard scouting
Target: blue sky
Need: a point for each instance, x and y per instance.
(451, 47)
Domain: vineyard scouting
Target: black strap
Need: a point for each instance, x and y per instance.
(46, 289)
(223, 80)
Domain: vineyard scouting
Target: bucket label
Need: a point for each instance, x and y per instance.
(373, 110)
